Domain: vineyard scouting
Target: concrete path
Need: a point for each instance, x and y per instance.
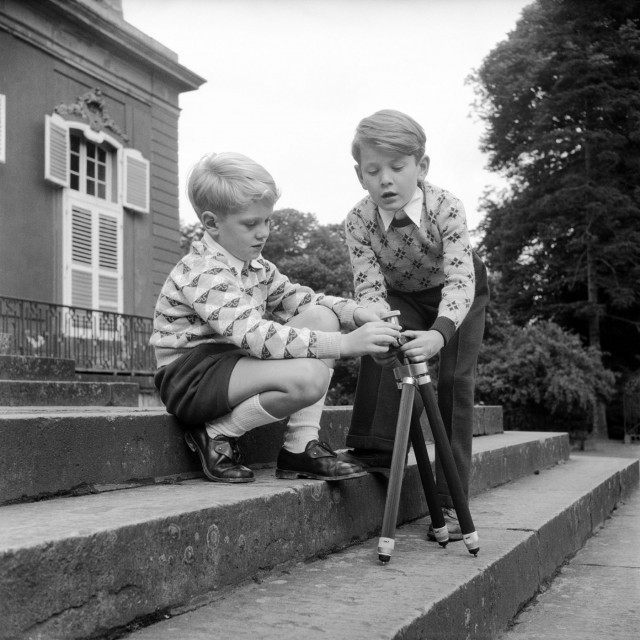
(597, 594)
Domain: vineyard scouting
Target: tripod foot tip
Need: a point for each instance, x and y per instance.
(474, 552)
(384, 558)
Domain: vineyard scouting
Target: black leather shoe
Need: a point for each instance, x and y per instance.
(318, 461)
(220, 456)
(371, 460)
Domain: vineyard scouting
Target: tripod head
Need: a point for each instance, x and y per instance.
(393, 317)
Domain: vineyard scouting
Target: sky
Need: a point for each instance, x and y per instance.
(289, 80)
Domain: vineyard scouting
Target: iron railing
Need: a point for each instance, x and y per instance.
(98, 341)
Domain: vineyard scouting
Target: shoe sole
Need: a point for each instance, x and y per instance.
(382, 471)
(194, 447)
(283, 474)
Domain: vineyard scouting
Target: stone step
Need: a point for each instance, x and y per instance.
(29, 393)
(53, 450)
(36, 368)
(595, 594)
(96, 562)
(527, 530)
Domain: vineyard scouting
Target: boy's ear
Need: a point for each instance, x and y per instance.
(423, 166)
(359, 174)
(210, 221)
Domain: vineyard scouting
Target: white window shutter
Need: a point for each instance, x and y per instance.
(108, 262)
(56, 150)
(81, 258)
(136, 181)
(3, 128)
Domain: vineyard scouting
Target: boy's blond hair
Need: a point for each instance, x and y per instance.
(392, 131)
(229, 182)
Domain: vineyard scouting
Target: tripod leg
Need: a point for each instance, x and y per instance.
(386, 541)
(428, 482)
(443, 448)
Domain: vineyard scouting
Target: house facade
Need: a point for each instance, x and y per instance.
(88, 156)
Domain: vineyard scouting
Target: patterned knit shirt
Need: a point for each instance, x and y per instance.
(413, 258)
(207, 300)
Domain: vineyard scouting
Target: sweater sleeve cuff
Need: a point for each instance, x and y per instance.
(327, 344)
(445, 327)
(346, 312)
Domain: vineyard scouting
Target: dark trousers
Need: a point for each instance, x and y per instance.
(377, 399)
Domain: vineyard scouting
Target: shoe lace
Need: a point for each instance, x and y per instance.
(235, 449)
(327, 447)
(450, 513)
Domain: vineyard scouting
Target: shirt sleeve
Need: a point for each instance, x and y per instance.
(232, 313)
(368, 280)
(459, 275)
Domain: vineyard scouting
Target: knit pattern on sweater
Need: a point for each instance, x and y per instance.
(205, 300)
(414, 258)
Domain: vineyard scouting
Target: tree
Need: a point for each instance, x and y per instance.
(561, 101)
(310, 253)
(542, 375)
(290, 234)
(189, 233)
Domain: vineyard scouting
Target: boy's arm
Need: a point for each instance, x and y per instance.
(235, 314)
(459, 276)
(287, 299)
(369, 283)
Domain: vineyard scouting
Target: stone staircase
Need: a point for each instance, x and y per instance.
(108, 529)
(33, 381)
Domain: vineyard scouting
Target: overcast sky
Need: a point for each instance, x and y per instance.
(289, 80)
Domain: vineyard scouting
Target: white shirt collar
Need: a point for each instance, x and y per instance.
(234, 262)
(413, 209)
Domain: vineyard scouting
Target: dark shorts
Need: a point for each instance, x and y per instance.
(195, 387)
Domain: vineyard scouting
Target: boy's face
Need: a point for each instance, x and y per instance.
(390, 178)
(242, 234)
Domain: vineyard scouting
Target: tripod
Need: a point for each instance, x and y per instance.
(409, 377)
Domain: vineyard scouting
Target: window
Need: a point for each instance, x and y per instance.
(94, 163)
(99, 179)
(90, 168)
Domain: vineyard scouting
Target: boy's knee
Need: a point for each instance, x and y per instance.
(311, 380)
(320, 318)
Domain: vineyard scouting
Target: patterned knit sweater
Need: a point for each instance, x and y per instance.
(411, 258)
(206, 300)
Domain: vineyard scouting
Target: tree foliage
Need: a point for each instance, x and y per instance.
(561, 101)
(541, 374)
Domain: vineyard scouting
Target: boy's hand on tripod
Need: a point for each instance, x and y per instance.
(371, 338)
(422, 345)
(362, 315)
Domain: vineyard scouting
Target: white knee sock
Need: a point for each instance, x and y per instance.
(304, 425)
(248, 415)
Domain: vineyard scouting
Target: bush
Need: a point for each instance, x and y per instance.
(543, 376)
(343, 384)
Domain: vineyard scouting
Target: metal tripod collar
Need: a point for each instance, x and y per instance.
(415, 373)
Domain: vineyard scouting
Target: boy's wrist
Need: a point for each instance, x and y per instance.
(445, 327)
(328, 344)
